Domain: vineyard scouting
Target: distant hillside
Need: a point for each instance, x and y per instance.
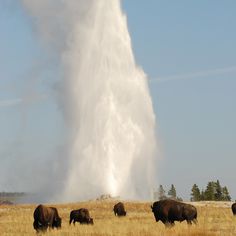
(13, 197)
(12, 194)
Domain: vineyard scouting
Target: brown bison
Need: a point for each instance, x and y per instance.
(119, 209)
(168, 211)
(233, 207)
(45, 217)
(81, 215)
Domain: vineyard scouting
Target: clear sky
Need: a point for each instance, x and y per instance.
(187, 49)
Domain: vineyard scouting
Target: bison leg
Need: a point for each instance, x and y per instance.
(195, 221)
(71, 219)
(39, 227)
(166, 223)
(169, 224)
(44, 228)
(189, 222)
(172, 223)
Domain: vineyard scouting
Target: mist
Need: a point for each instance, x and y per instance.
(110, 145)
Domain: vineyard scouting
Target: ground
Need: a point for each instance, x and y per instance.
(214, 218)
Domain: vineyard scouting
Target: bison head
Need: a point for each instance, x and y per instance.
(155, 212)
(57, 222)
(156, 216)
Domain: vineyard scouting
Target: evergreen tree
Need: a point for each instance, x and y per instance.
(179, 199)
(225, 194)
(196, 195)
(209, 193)
(161, 193)
(155, 194)
(218, 191)
(214, 192)
(172, 192)
(202, 195)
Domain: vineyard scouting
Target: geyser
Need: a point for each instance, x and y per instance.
(104, 97)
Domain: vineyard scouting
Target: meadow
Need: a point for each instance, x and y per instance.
(214, 218)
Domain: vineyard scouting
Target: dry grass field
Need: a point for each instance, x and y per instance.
(213, 219)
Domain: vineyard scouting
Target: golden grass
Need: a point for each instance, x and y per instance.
(213, 219)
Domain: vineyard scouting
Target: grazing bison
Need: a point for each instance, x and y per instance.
(119, 209)
(168, 211)
(81, 215)
(233, 207)
(45, 217)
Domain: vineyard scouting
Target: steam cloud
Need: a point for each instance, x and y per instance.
(104, 98)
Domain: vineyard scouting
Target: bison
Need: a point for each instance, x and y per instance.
(168, 211)
(81, 215)
(119, 209)
(45, 217)
(233, 207)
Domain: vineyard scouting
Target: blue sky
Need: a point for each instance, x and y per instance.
(190, 46)
(188, 50)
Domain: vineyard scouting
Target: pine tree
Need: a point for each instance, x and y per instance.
(209, 193)
(214, 192)
(161, 193)
(225, 194)
(172, 192)
(202, 195)
(196, 195)
(180, 199)
(155, 194)
(218, 191)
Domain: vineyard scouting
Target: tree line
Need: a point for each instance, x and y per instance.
(212, 192)
(160, 194)
(12, 194)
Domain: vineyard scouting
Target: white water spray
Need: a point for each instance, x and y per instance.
(104, 96)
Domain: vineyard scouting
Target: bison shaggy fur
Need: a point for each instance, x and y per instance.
(45, 217)
(81, 215)
(233, 207)
(168, 211)
(119, 209)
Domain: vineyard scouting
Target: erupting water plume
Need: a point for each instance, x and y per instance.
(104, 98)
